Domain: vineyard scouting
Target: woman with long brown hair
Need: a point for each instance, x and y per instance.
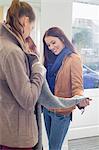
(64, 76)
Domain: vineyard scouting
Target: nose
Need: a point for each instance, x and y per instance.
(51, 47)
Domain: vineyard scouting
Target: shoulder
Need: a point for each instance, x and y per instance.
(9, 47)
(8, 42)
(11, 54)
(75, 58)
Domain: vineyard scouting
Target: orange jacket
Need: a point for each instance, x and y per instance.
(69, 81)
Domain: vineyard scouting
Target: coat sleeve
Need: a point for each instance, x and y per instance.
(50, 101)
(76, 75)
(25, 92)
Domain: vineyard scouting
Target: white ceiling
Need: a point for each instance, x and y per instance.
(95, 2)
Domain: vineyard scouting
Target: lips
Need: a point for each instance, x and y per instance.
(54, 51)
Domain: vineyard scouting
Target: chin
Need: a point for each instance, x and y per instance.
(56, 53)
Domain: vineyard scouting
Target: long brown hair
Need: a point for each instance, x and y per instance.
(55, 32)
(15, 12)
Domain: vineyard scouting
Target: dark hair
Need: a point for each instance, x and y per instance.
(32, 45)
(16, 11)
(55, 32)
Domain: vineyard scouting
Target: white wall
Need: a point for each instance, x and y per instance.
(56, 13)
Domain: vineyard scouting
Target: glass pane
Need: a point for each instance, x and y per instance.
(85, 35)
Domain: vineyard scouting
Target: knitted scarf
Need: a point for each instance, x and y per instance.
(53, 68)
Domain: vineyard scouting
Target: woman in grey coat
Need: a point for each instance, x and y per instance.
(22, 82)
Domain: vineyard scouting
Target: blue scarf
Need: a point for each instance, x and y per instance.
(52, 69)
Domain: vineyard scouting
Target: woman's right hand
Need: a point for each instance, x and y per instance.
(84, 103)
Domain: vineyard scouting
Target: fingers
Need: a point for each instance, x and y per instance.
(89, 99)
(85, 103)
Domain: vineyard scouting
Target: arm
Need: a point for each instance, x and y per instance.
(48, 100)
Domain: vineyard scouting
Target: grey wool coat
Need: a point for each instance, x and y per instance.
(20, 97)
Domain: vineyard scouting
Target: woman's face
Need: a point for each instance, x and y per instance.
(27, 26)
(54, 44)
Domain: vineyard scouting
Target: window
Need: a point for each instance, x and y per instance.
(85, 35)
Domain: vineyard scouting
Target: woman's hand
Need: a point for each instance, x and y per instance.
(83, 103)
